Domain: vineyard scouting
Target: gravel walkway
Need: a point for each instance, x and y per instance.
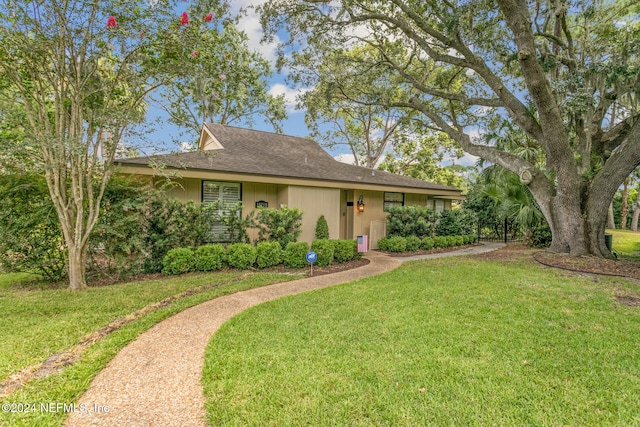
(155, 380)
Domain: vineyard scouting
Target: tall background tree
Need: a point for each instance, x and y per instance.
(81, 72)
(349, 106)
(224, 82)
(565, 74)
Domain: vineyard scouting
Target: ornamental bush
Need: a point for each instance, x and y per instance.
(427, 243)
(456, 222)
(408, 221)
(383, 244)
(413, 243)
(268, 254)
(295, 255)
(282, 225)
(397, 244)
(179, 261)
(322, 228)
(440, 242)
(30, 236)
(324, 248)
(346, 250)
(241, 255)
(210, 257)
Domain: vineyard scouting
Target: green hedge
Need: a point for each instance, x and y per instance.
(210, 257)
(295, 255)
(265, 254)
(241, 255)
(179, 261)
(345, 250)
(268, 254)
(325, 249)
(413, 243)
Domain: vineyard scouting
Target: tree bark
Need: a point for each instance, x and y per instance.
(636, 214)
(77, 268)
(624, 210)
(611, 221)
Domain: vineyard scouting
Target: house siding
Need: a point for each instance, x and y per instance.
(313, 202)
(345, 222)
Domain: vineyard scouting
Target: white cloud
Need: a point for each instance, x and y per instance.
(186, 147)
(250, 24)
(290, 95)
(345, 158)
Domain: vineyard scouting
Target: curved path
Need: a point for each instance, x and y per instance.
(155, 380)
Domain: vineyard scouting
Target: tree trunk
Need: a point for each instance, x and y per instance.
(77, 268)
(611, 221)
(636, 214)
(624, 210)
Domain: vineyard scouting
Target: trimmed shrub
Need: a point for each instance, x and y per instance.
(210, 257)
(470, 238)
(413, 243)
(451, 241)
(345, 250)
(282, 225)
(268, 254)
(427, 243)
(456, 222)
(178, 261)
(325, 250)
(408, 221)
(459, 240)
(383, 244)
(440, 242)
(322, 228)
(241, 255)
(397, 244)
(295, 255)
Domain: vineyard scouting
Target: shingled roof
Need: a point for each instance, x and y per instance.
(254, 152)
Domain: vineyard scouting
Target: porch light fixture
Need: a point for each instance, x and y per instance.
(360, 204)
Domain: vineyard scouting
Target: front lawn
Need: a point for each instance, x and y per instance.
(38, 323)
(439, 342)
(626, 243)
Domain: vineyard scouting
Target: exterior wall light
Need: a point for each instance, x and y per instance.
(360, 204)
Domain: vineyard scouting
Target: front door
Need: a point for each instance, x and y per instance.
(346, 214)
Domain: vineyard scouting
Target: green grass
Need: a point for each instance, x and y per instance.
(69, 384)
(37, 323)
(439, 342)
(626, 243)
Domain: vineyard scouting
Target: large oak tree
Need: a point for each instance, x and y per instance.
(564, 73)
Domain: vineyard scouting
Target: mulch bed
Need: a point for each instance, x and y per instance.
(590, 264)
(583, 264)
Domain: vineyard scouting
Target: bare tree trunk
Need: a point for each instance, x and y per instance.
(636, 214)
(611, 222)
(77, 268)
(624, 210)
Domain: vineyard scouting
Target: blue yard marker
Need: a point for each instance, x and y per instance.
(311, 258)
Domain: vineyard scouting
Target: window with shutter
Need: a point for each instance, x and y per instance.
(227, 193)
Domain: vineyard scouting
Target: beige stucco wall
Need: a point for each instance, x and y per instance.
(314, 202)
(185, 189)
